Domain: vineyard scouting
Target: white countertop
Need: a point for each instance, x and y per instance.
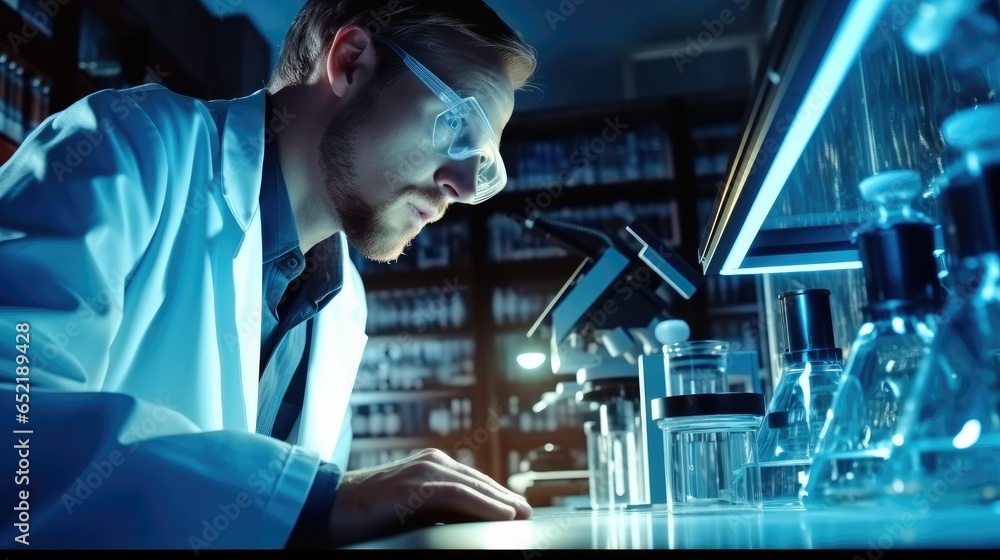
(865, 530)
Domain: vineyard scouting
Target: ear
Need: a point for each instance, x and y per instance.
(350, 62)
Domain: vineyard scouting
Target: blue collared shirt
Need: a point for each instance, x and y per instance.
(295, 288)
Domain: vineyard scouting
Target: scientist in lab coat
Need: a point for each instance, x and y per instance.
(182, 326)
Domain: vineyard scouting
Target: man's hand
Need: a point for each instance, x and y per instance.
(423, 489)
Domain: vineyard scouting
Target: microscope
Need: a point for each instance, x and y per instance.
(609, 323)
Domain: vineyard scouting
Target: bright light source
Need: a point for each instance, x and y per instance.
(777, 269)
(968, 435)
(531, 360)
(857, 24)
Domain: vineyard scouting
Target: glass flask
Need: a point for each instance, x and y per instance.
(948, 438)
(812, 368)
(904, 295)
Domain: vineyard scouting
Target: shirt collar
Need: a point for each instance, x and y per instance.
(278, 231)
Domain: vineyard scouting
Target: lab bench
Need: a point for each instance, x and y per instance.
(867, 533)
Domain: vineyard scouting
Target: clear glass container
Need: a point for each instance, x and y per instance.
(904, 295)
(620, 435)
(616, 476)
(948, 438)
(597, 461)
(696, 366)
(710, 449)
(812, 370)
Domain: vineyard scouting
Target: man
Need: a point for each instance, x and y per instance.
(183, 323)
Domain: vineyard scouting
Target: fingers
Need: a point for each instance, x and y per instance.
(480, 484)
(460, 502)
(480, 481)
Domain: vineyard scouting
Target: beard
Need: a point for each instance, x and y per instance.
(367, 227)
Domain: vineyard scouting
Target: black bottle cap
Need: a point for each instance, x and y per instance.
(808, 323)
(900, 268)
(702, 404)
(605, 389)
(970, 213)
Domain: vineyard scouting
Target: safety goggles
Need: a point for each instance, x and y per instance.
(462, 131)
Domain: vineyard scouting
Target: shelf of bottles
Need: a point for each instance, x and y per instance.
(398, 365)
(403, 313)
(24, 99)
(613, 155)
(510, 241)
(415, 384)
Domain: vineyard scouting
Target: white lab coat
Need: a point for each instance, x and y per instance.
(130, 243)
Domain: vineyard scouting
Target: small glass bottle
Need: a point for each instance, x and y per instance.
(813, 367)
(904, 294)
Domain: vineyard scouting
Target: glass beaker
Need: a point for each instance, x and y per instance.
(597, 461)
(617, 440)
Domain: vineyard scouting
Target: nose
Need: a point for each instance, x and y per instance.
(457, 179)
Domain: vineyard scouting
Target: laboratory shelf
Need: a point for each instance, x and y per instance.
(361, 444)
(385, 397)
(437, 277)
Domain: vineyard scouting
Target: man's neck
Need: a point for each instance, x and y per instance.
(298, 147)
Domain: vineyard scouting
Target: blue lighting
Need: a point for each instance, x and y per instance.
(858, 23)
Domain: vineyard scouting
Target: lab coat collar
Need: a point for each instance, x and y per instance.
(243, 155)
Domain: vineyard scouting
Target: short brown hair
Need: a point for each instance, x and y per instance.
(419, 26)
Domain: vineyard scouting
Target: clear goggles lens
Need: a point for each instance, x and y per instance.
(462, 132)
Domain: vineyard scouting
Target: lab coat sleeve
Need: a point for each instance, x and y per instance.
(79, 203)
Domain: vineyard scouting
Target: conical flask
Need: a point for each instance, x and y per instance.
(904, 294)
(812, 368)
(948, 438)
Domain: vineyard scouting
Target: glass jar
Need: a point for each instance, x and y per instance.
(710, 449)
(696, 366)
